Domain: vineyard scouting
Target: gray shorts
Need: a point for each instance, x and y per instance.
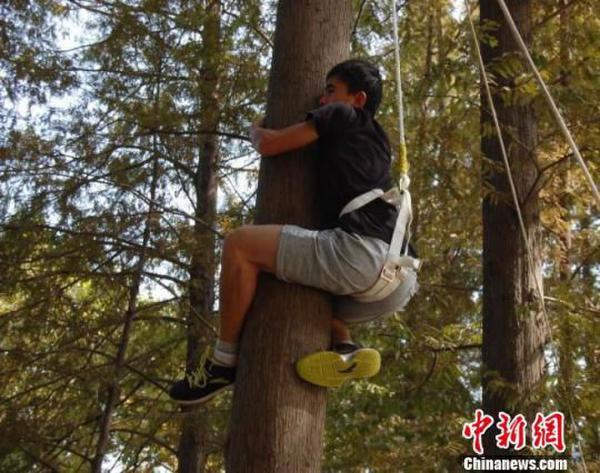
(340, 263)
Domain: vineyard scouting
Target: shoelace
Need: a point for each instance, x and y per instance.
(199, 377)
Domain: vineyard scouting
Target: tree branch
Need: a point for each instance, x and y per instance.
(555, 13)
(427, 377)
(595, 312)
(148, 436)
(360, 10)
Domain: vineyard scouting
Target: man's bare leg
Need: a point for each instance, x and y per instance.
(246, 251)
(339, 332)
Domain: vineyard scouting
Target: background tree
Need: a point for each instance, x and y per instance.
(515, 330)
(192, 448)
(87, 191)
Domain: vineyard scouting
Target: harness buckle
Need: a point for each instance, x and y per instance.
(388, 274)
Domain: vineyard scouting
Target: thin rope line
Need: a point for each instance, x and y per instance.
(400, 99)
(553, 107)
(577, 436)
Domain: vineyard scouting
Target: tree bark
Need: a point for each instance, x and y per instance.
(514, 330)
(567, 333)
(191, 452)
(277, 420)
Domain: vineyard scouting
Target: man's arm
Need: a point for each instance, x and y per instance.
(270, 142)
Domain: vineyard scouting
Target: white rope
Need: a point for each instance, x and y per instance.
(515, 199)
(553, 107)
(400, 100)
(577, 436)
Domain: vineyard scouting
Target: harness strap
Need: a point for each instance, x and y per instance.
(402, 224)
(361, 201)
(392, 272)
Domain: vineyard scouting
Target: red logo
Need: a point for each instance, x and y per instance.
(512, 432)
(549, 431)
(546, 431)
(476, 429)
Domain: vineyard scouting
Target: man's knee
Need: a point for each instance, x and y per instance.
(233, 246)
(253, 244)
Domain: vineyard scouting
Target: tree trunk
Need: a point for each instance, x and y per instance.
(567, 333)
(514, 330)
(114, 388)
(277, 420)
(191, 452)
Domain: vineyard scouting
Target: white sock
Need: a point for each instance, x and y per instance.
(225, 354)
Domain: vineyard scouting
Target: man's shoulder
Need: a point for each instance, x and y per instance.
(333, 118)
(336, 109)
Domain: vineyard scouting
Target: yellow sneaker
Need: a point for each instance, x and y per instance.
(332, 368)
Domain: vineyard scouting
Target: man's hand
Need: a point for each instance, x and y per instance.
(256, 133)
(270, 142)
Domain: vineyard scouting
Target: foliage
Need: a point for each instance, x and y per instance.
(99, 150)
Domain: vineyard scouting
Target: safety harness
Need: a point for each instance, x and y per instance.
(396, 264)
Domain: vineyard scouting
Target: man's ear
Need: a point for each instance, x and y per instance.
(360, 99)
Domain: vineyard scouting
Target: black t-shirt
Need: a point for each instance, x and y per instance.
(354, 157)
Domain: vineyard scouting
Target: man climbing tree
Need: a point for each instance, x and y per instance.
(356, 256)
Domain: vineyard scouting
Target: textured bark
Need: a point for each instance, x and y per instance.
(567, 334)
(514, 331)
(191, 452)
(277, 420)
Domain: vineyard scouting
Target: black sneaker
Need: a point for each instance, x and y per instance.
(346, 348)
(209, 380)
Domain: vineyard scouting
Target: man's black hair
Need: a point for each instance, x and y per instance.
(359, 75)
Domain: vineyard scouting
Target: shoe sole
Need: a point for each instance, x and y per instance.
(330, 369)
(206, 398)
